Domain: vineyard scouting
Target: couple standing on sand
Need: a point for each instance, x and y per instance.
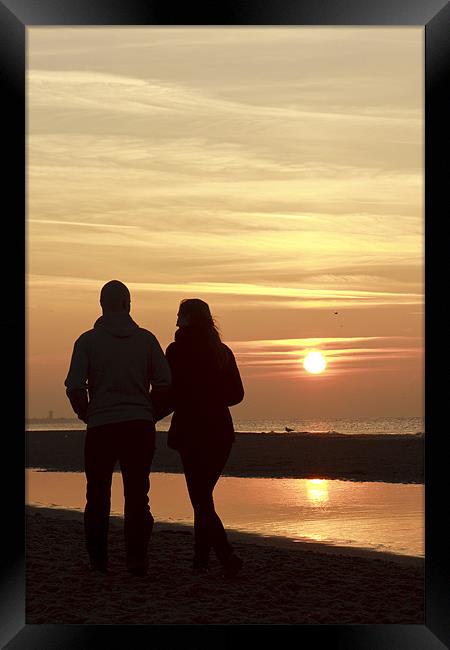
(112, 368)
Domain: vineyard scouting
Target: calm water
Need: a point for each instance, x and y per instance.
(379, 516)
(340, 425)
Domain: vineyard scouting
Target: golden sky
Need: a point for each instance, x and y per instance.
(276, 173)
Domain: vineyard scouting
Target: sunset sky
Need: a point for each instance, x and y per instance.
(276, 173)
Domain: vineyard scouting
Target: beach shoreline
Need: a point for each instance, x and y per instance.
(239, 536)
(387, 458)
(283, 582)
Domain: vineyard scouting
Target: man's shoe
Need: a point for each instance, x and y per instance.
(97, 566)
(138, 571)
(200, 569)
(232, 566)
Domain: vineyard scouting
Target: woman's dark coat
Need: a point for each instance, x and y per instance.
(205, 382)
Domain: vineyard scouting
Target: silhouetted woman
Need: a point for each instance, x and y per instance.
(206, 382)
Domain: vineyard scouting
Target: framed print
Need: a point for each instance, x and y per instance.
(114, 137)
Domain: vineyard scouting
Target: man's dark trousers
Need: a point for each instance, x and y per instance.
(132, 443)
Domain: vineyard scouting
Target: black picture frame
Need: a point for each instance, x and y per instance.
(15, 17)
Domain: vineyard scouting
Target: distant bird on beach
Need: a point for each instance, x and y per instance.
(288, 430)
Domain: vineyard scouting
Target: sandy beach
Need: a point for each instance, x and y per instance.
(389, 458)
(282, 583)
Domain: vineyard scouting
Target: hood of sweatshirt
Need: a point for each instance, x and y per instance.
(118, 324)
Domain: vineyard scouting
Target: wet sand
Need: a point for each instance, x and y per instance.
(283, 582)
(388, 458)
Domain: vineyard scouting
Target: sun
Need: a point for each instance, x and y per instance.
(314, 362)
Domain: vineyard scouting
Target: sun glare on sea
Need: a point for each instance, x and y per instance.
(317, 491)
(314, 362)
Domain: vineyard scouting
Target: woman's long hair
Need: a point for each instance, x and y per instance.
(202, 327)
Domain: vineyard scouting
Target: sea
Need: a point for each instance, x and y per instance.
(346, 426)
(386, 517)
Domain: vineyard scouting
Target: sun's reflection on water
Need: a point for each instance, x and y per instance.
(317, 491)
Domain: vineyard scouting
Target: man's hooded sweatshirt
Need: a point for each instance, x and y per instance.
(116, 362)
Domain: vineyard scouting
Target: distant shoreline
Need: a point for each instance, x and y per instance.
(391, 458)
(289, 434)
(342, 426)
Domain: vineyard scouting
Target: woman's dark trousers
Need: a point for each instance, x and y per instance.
(202, 469)
(132, 444)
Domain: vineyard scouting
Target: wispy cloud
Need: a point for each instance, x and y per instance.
(302, 296)
(285, 356)
(89, 91)
(82, 224)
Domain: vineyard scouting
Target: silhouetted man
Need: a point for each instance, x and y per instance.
(112, 368)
